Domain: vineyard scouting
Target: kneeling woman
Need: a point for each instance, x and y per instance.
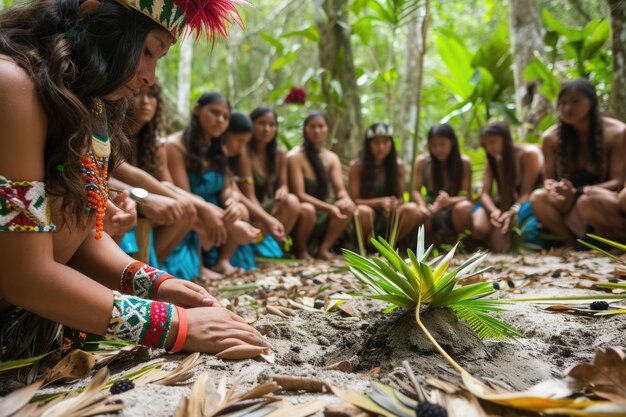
(516, 169)
(376, 183)
(447, 176)
(311, 168)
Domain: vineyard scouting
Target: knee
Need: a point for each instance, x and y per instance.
(290, 203)
(365, 211)
(462, 208)
(585, 206)
(538, 199)
(622, 199)
(307, 211)
(480, 231)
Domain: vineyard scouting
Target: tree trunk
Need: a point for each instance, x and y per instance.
(525, 26)
(184, 77)
(339, 87)
(414, 75)
(617, 15)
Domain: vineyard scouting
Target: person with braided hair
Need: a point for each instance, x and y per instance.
(312, 168)
(583, 152)
(64, 84)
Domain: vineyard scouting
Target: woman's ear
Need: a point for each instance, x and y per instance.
(196, 110)
(87, 7)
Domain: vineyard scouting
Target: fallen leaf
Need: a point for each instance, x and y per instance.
(14, 401)
(343, 366)
(605, 376)
(73, 366)
(273, 310)
(300, 383)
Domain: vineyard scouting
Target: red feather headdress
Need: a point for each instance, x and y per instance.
(210, 16)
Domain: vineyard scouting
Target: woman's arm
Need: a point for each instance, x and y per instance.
(530, 168)
(281, 174)
(548, 147)
(485, 196)
(177, 164)
(418, 182)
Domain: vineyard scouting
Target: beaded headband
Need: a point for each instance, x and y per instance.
(379, 129)
(210, 16)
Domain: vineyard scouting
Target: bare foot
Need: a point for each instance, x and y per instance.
(304, 256)
(326, 255)
(208, 275)
(242, 232)
(224, 268)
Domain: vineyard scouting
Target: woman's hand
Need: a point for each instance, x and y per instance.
(441, 202)
(233, 211)
(346, 204)
(276, 229)
(214, 329)
(121, 215)
(335, 211)
(185, 294)
(494, 218)
(281, 193)
(213, 228)
(505, 220)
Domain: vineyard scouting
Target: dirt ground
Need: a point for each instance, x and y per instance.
(371, 345)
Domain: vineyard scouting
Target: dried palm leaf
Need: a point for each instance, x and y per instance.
(16, 400)
(89, 402)
(181, 373)
(73, 366)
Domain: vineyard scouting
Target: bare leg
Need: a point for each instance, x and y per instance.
(167, 237)
(601, 210)
(551, 213)
(481, 227)
(462, 216)
(336, 227)
(497, 241)
(303, 229)
(366, 218)
(410, 219)
(286, 212)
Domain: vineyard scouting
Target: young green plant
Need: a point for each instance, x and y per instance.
(417, 283)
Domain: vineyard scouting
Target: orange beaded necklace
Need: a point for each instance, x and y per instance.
(95, 172)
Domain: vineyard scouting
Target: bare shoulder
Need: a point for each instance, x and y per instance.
(330, 156)
(421, 160)
(355, 163)
(614, 130)
(23, 121)
(550, 137)
(295, 153)
(465, 160)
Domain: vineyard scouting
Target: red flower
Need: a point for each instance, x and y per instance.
(296, 96)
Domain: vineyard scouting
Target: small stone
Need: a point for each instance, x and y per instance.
(121, 386)
(496, 285)
(318, 304)
(556, 274)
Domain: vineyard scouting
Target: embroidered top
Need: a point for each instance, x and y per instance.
(24, 207)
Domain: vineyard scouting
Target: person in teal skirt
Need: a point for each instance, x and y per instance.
(517, 171)
(197, 163)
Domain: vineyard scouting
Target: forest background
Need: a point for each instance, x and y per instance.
(409, 63)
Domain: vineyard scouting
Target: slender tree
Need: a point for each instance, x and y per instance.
(617, 16)
(525, 27)
(335, 55)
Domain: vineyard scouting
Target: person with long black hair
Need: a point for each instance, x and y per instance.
(265, 180)
(312, 170)
(516, 171)
(376, 181)
(198, 164)
(584, 151)
(447, 176)
(67, 68)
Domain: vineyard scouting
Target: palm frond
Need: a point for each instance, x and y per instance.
(602, 251)
(484, 325)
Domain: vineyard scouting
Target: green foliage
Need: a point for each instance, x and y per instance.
(417, 282)
(608, 242)
(480, 81)
(573, 52)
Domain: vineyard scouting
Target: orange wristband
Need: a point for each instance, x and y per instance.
(157, 284)
(183, 324)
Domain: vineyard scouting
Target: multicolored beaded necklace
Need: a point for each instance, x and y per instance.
(95, 171)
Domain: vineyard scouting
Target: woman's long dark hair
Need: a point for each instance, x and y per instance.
(149, 136)
(506, 185)
(453, 165)
(390, 164)
(270, 149)
(192, 140)
(238, 123)
(313, 155)
(71, 58)
(569, 142)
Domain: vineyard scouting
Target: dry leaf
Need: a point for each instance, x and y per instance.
(605, 376)
(300, 383)
(16, 400)
(343, 366)
(241, 352)
(285, 310)
(344, 410)
(273, 310)
(298, 410)
(181, 373)
(75, 365)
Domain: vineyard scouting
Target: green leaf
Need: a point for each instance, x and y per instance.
(311, 33)
(275, 42)
(558, 27)
(485, 326)
(363, 29)
(395, 300)
(20, 363)
(283, 60)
